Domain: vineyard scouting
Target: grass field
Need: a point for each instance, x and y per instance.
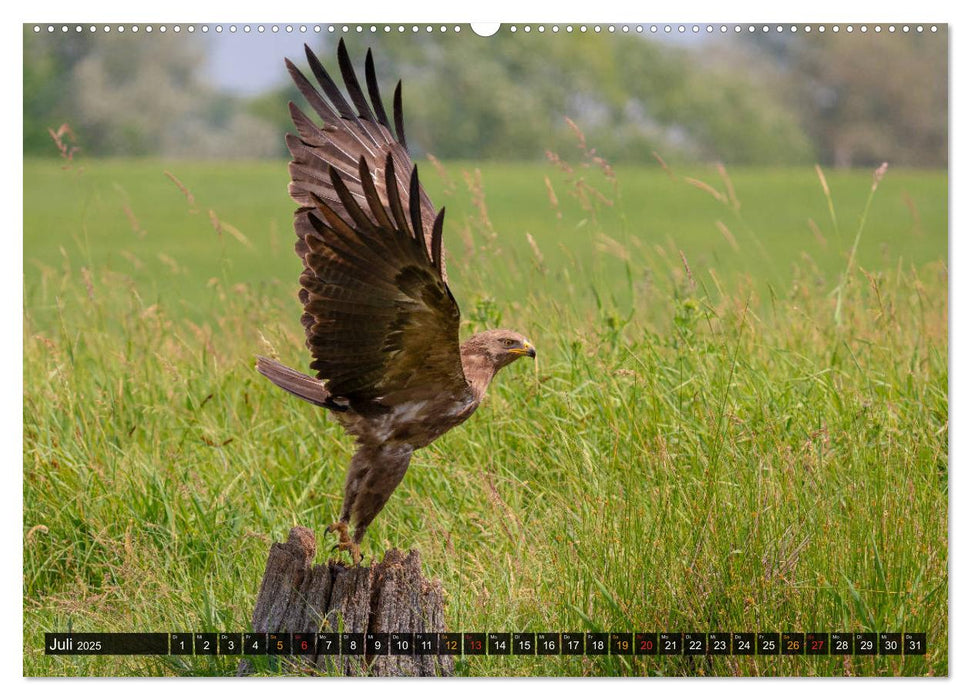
(704, 443)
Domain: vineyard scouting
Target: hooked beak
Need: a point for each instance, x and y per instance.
(527, 349)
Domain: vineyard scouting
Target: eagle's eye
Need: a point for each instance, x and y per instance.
(508, 342)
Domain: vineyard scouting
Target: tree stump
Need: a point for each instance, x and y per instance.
(392, 596)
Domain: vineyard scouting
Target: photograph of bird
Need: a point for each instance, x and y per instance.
(381, 324)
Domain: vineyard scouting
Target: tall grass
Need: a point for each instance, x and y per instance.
(698, 447)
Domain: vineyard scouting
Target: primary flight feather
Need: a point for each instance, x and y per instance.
(381, 324)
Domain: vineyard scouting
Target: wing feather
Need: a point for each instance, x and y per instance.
(372, 196)
(381, 323)
(311, 95)
(414, 207)
(351, 130)
(399, 120)
(391, 188)
(437, 239)
(353, 87)
(373, 91)
(360, 219)
(327, 83)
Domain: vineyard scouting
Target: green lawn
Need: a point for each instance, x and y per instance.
(700, 446)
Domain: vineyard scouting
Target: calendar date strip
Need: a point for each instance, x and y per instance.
(488, 643)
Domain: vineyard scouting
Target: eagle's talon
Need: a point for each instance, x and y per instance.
(345, 544)
(355, 551)
(340, 527)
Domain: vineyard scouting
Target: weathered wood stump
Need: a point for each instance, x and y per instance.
(392, 596)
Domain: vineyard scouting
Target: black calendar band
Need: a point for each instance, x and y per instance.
(488, 643)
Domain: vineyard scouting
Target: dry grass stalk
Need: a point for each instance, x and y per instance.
(581, 138)
(551, 195)
(687, 269)
(473, 181)
(822, 181)
(664, 166)
(88, 282)
(133, 221)
(448, 184)
(216, 223)
(64, 132)
(606, 244)
(918, 229)
(878, 175)
(559, 162)
(820, 238)
(32, 532)
(182, 188)
(705, 187)
(586, 194)
(729, 187)
(535, 248)
(235, 233)
(591, 153)
(728, 235)
(170, 262)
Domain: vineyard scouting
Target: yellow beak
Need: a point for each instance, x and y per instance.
(527, 349)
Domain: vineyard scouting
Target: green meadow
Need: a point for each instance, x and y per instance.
(737, 420)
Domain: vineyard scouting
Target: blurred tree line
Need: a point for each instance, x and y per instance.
(868, 97)
(771, 99)
(134, 95)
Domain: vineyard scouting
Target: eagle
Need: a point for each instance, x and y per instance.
(381, 324)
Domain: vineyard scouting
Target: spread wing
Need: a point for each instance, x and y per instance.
(379, 316)
(347, 135)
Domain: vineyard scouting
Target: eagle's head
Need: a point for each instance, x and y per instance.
(499, 347)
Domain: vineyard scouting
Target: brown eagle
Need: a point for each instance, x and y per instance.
(381, 323)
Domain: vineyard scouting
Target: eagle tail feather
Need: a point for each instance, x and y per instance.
(297, 383)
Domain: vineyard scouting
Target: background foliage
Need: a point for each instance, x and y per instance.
(831, 98)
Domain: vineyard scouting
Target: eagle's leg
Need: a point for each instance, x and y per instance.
(382, 469)
(344, 542)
